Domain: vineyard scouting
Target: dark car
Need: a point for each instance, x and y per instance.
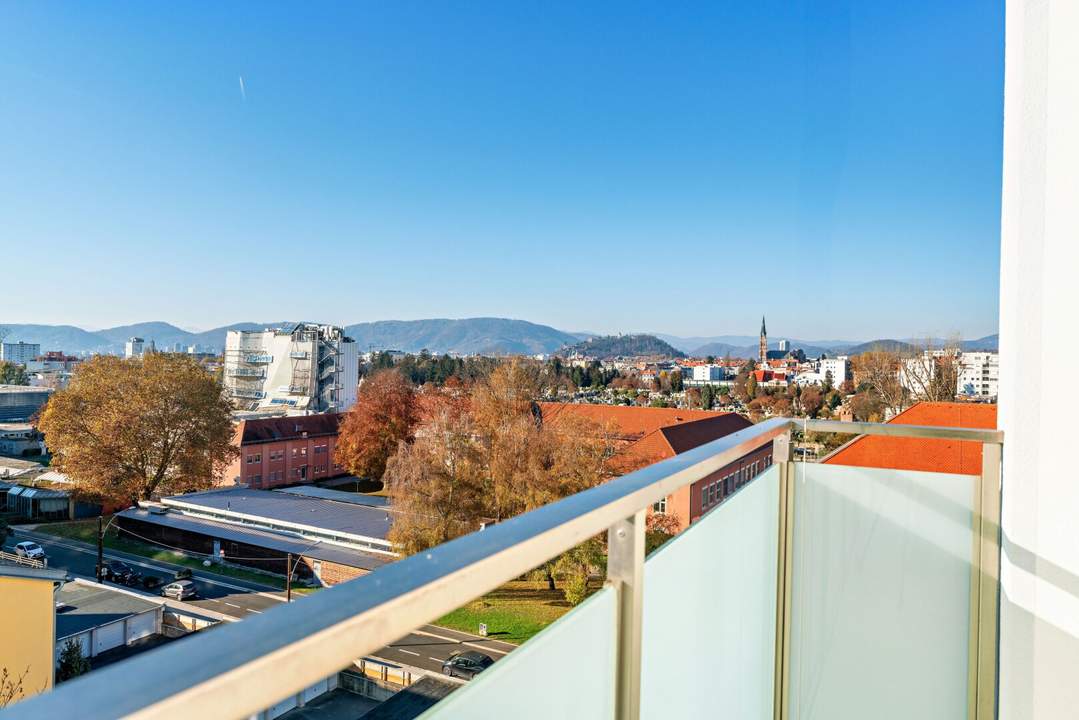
(466, 664)
(120, 572)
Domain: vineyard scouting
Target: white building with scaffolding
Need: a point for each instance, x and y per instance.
(306, 368)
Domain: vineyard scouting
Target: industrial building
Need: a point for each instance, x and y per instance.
(18, 403)
(331, 537)
(304, 369)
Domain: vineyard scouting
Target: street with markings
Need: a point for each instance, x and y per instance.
(425, 648)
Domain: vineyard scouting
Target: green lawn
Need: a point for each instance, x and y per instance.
(86, 531)
(513, 613)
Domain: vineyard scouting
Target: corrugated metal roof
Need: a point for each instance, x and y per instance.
(336, 495)
(261, 538)
(290, 508)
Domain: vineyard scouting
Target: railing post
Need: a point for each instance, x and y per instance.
(985, 588)
(625, 573)
(781, 457)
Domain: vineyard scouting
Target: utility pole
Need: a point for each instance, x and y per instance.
(100, 548)
(288, 578)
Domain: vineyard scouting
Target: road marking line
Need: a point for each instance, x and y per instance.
(212, 600)
(409, 652)
(437, 660)
(235, 605)
(257, 612)
(484, 647)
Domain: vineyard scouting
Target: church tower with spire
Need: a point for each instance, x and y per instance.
(764, 343)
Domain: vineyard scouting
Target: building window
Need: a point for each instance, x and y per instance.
(661, 506)
(704, 497)
(254, 458)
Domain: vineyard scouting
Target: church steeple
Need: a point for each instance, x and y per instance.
(764, 343)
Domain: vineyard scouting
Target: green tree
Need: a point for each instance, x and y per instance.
(751, 386)
(12, 374)
(676, 381)
(707, 397)
(72, 662)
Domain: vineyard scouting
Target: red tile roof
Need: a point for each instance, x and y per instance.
(288, 428)
(948, 456)
(645, 435)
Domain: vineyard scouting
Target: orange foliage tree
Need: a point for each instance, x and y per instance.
(384, 416)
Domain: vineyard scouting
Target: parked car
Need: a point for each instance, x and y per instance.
(466, 664)
(182, 574)
(180, 590)
(150, 582)
(120, 572)
(30, 550)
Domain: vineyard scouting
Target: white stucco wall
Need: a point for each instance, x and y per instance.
(1039, 319)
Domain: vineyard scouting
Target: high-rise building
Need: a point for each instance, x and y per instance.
(20, 352)
(308, 368)
(785, 345)
(133, 347)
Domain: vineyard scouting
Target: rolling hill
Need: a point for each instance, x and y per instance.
(611, 346)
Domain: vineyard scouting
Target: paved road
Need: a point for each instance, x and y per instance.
(226, 595)
(426, 647)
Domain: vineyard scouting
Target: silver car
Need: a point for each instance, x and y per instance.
(180, 590)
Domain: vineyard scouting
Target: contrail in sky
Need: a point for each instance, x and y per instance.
(243, 90)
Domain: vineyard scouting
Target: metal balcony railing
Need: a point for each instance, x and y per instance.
(789, 540)
(246, 373)
(244, 393)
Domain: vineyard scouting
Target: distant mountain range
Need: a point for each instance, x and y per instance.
(468, 336)
(465, 336)
(610, 346)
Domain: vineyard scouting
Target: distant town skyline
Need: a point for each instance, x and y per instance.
(602, 167)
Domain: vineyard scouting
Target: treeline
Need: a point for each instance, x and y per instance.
(426, 368)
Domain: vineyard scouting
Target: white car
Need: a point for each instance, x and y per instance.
(31, 550)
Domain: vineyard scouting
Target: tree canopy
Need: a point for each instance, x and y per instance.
(130, 429)
(384, 415)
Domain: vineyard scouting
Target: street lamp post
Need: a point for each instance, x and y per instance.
(101, 545)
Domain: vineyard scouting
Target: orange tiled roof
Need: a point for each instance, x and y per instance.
(640, 431)
(948, 456)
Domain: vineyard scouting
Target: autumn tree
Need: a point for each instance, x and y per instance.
(490, 460)
(384, 415)
(437, 484)
(130, 429)
(930, 373)
(811, 401)
(878, 371)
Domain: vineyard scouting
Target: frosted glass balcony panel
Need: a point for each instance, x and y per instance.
(881, 594)
(566, 671)
(710, 612)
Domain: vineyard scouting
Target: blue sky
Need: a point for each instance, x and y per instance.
(605, 167)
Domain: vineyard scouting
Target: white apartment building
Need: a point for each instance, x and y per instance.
(839, 367)
(979, 374)
(134, 347)
(308, 368)
(704, 374)
(19, 353)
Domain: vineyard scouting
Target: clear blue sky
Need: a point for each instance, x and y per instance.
(606, 167)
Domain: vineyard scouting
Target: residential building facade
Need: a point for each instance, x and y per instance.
(979, 375)
(134, 347)
(19, 353)
(307, 368)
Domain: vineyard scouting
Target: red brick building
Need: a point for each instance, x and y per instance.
(645, 435)
(284, 451)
